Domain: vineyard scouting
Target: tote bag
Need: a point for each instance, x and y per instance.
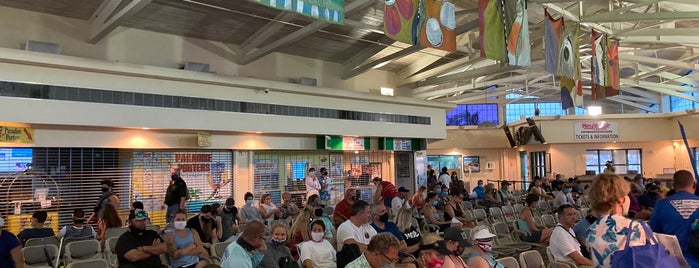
(650, 255)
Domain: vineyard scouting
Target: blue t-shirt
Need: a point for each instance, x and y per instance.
(8, 241)
(391, 228)
(674, 215)
(480, 191)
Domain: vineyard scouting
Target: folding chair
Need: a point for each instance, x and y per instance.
(115, 232)
(559, 265)
(508, 262)
(110, 252)
(505, 238)
(509, 213)
(548, 220)
(480, 216)
(217, 251)
(518, 208)
(467, 205)
(531, 259)
(96, 263)
(49, 240)
(549, 254)
(40, 256)
(496, 215)
(82, 250)
(153, 227)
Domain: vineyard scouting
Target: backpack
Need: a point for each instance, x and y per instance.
(288, 262)
(650, 255)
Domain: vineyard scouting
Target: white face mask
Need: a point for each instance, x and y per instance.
(625, 206)
(179, 225)
(486, 246)
(317, 236)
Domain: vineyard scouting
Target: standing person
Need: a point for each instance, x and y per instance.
(10, 248)
(110, 219)
(206, 226)
(248, 212)
(184, 245)
(444, 177)
(385, 191)
(312, 183)
(456, 183)
(288, 210)
(343, 209)
(400, 201)
(318, 252)
(138, 247)
(609, 168)
(675, 214)
(108, 197)
(564, 245)
(431, 177)
(78, 229)
(176, 194)
(610, 200)
(248, 250)
(267, 209)
(276, 247)
(325, 184)
(38, 230)
(382, 251)
(418, 199)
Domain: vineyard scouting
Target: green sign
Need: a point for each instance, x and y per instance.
(325, 142)
(399, 144)
(328, 10)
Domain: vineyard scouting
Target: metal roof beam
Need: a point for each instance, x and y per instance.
(570, 16)
(632, 104)
(99, 31)
(266, 31)
(661, 90)
(684, 15)
(349, 73)
(651, 60)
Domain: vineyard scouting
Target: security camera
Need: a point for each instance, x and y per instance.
(266, 90)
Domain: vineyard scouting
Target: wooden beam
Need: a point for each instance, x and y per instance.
(99, 31)
(266, 31)
(301, 33)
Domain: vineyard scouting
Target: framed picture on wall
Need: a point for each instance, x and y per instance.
(472, 164)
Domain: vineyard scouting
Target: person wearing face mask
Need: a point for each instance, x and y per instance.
(312, 183)
(610, 200)
(675, 214)
(10, 248)
(429, 256)
(248, 212)
(287, 209)
(205, 224)
(319, 215)
(563, 196)
(382, 225)
(276, 247)
(108, 197)
(183, 245)
(139, 247)
(479, 190)
(481, 256)
(418, 199)
(343, 209)
(454, 243)
(317, 253)
(432, 215)
(225, 228)
(175, 195)
(400, 201)
(456, 183)
(248, 251)
(505, 194)
(382, 252)
(444, 177)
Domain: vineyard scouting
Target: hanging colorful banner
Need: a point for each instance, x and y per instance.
(553, 29)
(569, 53)
(17, 135)
(401, 20)
(518, 46)
(605, 66)
(328, 10)
(438, 28)
(571, 93)
(493, 31)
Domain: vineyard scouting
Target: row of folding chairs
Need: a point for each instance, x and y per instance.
(48, 253)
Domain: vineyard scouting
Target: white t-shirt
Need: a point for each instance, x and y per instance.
(312, 186)
(562, 243)
(321, 254)
(562, 199)
(361, 234)
(445, 179)
(397, 204)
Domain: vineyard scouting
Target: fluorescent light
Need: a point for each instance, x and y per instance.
(386, 91)
(145, 128)
(594, 110)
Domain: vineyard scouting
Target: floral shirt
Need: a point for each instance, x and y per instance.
(608, 235)
(360, 262)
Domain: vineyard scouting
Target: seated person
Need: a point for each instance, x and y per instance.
(411, 233)
(453, 245)
(453, 210)
(183, 245)
(382, 251)
(318, 215)
(248, 212)
(139, 247)
(564, 246)
(206, 226)
(10, 248)
(38, 230)
(228, 227)
(343, 209)
(482, 245)
(299, 231)
(318, 252)
(432, 215)
(382, 225)
(78, 229)
(492, 196)
(276, 247)
(538, 233)
(580, 229)
(356, 230)
(563, 196)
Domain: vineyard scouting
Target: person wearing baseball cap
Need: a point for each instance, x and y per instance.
(400, 201)
(481, 256)
(11, 249)
(454, 243)
(248, 250)
(139, 247)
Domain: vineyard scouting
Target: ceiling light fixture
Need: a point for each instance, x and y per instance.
(594, 110)
(386, 91)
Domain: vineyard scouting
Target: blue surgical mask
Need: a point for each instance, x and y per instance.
(249, 202)
(445, 193)
(438, 191)
(256, 258)
(566, 190)
(434, 203)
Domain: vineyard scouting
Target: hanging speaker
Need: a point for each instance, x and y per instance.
(510, 139)
(535, 130)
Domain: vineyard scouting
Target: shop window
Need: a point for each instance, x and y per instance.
(514, 111)
(625, 161)
(540, 163)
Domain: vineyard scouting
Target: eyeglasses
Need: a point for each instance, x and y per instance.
(391, 260)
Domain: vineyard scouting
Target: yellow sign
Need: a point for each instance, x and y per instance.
(17, 134)
(17, 223)
(204, 139)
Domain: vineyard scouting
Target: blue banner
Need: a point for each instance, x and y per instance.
(691, 156)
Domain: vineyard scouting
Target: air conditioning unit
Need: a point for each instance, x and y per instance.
(38, 46)
(307, 81)
(196, 66)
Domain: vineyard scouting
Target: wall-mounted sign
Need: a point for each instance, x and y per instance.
(204, 139)
(401, 144)
(17, 134)
(596, 131)
(352, 143)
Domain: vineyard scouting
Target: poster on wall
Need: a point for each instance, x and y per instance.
(596, 131)
(335, 170)
(207, 174)
(266, 174)
(472, 164)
